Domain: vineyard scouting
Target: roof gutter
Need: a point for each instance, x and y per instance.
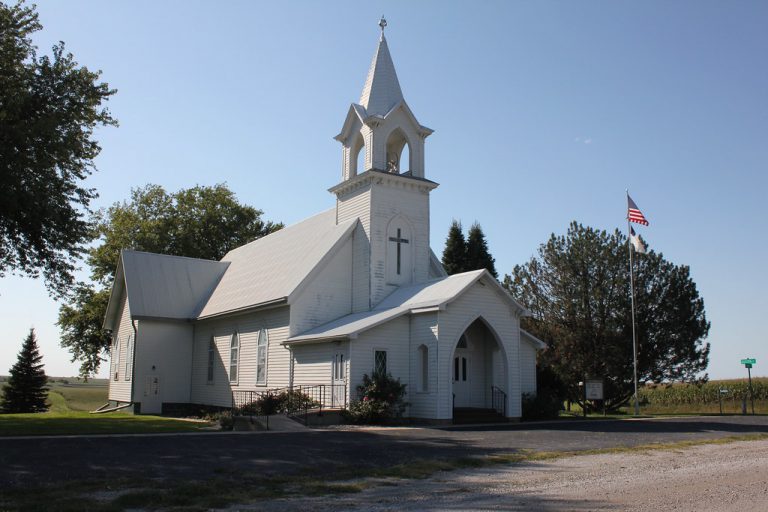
(264, 305)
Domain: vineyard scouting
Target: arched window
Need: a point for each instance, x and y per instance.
(261, 357)
(357, 156)
(423, 380)
(395, 144)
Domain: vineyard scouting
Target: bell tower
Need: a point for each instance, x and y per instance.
(389, 194)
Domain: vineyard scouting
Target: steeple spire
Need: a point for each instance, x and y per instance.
(382, 89)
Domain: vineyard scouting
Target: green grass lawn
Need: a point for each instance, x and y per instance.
(68, 414)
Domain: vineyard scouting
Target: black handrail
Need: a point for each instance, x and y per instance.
(499, 400)
(301, 399)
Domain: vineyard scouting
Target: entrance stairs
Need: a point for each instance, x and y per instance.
(470, 415)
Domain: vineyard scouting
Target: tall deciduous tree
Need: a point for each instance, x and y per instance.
(49, 107)
(455, 252)
(478, 255)
(199, 222)
(578, 292)
(26, 389)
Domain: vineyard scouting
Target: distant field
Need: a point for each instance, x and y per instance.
(70, 400)
(705, 398)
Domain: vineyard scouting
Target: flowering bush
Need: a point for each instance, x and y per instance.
(381, 400)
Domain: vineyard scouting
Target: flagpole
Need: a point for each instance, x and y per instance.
(632, 298)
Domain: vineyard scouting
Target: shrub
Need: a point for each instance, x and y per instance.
(545, 405)
(381, 400)
(224, 418)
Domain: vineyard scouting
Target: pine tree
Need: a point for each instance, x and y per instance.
(26, 389)
(455, 252)
(478, 255)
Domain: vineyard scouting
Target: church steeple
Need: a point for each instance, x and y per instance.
(382, 124)
(382, 90)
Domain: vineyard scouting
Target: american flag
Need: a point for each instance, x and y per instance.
(634, 214)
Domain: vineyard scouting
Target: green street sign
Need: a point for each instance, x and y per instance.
(748, 361)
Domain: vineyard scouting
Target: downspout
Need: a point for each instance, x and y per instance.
(133, 357)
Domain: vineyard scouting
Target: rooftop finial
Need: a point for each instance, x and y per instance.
(382, 24)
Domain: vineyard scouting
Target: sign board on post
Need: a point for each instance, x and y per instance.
(748, 362)
(594, 389)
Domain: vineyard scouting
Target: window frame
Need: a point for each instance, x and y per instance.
(423, 377)
(376, 351)
(234, 358)
(116, 359)
(209, 368)
(129, 349)
(259, 348)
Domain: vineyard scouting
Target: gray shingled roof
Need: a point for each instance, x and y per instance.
(271, 268)
(404, 300)
(162, 286)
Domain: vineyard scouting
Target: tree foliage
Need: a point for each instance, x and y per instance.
(578, 292)
(464, 254)
(478, 255)
(199, 222)
(26, 389)
(455, 252)
(49, 107)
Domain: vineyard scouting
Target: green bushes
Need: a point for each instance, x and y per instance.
(545, 405)
(288, 401)
(381, 400)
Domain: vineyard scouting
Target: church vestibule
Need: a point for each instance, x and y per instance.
(479, 365)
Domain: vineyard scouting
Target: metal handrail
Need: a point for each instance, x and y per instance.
(499, 400)
(310, 396)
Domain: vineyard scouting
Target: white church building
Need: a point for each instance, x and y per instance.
(350, 291)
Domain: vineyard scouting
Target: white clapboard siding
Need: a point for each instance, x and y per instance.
(163, 351)
(120, 389)
(313, 363)
(479, 301)
(328, 296)
(219, 393)
(527, 367)
(356, 205)
(393, 337)
(423, 332)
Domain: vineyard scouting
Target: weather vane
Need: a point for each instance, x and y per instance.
(382, 24)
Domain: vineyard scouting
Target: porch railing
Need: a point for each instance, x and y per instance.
(300, 400)
(499, 400)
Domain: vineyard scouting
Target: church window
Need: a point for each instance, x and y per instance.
(424, 368)
(380, 362)
(129, 358)
(211, 358)
(116, 357)
(234, 356)
(261, 358)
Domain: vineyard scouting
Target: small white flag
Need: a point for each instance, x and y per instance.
(638, 244)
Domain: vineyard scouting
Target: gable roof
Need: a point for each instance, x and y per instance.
(431, 295)
(269, 269)
(533, 340)
(162, 286)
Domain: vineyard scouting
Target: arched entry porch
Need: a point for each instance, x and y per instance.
(479, 374)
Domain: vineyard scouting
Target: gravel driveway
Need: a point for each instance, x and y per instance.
(714, 478)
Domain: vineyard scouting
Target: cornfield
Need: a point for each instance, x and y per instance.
(705, 396)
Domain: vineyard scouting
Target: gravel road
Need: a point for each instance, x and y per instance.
(710, 478)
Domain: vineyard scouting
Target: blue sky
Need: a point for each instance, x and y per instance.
(544, 113)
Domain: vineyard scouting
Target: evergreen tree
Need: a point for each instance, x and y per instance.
(578, 292)
(477, 251)
(455, 252)
(26, 389)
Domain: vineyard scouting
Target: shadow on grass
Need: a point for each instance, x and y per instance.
(73, 423)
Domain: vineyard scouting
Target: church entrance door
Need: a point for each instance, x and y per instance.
(462, 384)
